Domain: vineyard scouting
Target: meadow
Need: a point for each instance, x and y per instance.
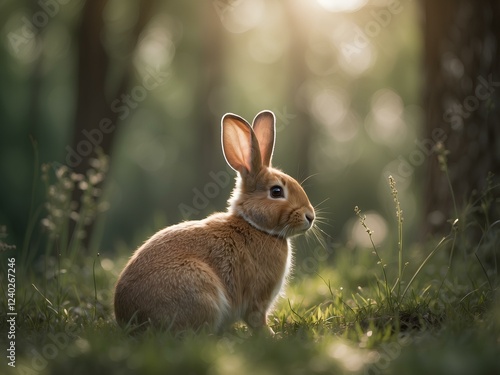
(395, 308)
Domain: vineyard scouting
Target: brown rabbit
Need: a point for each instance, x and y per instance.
(231, 265)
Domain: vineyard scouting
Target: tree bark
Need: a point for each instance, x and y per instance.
(461, 98)
(96, 123)
(211, 80)
(300, 114)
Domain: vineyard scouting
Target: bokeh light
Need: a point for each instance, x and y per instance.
(376, 223)
(385, 122)
(342, 5)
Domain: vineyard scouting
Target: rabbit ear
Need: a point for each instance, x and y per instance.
(240, 145)
(264, 125)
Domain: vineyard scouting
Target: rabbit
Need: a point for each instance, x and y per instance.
(230, 266)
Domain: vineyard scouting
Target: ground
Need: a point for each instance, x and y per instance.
(334, 320)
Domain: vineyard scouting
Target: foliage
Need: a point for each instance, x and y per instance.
(358, 105)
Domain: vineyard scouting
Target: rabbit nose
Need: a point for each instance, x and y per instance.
(309, 217)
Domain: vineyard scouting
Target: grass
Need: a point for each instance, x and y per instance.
(356, 313)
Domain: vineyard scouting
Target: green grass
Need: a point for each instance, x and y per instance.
(326, 325)
(421, 308)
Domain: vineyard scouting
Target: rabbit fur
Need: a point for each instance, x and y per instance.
(231, 265)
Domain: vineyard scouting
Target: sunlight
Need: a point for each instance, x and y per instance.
(268, 43)
(240, 16)
(342, 5)
(350, 358)
(357, 53)
(385, 123)
(156, 48)
(330, 106)
(107, 264)
(376, 223)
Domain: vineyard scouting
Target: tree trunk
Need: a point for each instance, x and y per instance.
(96, 122)
(462, 106)
(211, 77)
(300, 114)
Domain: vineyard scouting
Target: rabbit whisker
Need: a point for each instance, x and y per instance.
(320, 234)
(322, 221)
(320, 239)
(320, 213)
(320, 203)
(284, 231)
(307, 178)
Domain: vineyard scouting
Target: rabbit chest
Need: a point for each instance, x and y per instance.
(253, 266)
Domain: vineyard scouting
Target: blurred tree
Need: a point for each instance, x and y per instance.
(96, 116)
(462, 102)
(36, 83)
(210, 81)
(299, 75)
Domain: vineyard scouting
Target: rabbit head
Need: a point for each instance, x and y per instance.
(267, 198)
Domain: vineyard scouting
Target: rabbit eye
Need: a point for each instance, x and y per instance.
(277, 192)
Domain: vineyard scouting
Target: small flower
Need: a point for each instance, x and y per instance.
(442, 155)
(95, 163)
(94, 179)
(394, 192)
(60, 208)
(48, 224)
(96, 192)
(68, 185)
(77, 177)
(61, 171)
(83, 185)
(362, 220)
(103, 206)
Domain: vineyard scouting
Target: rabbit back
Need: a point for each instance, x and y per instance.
(211, 272)
(186, 294)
